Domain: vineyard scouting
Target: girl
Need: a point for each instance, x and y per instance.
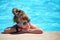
(22, 24)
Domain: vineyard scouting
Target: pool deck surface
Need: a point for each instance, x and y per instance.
(28, 36)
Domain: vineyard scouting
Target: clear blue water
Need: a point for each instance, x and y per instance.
(43, 13)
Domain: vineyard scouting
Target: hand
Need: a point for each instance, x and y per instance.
(29, 30)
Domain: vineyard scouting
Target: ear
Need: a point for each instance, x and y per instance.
(15, 11)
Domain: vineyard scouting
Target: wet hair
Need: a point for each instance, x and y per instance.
(15, 19)
(14, 9)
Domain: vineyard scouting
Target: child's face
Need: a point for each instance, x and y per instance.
(19, 16)
(23, 24)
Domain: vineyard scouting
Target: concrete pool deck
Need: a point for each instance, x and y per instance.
(27, 36)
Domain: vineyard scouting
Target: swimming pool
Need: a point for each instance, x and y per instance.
(43, 13)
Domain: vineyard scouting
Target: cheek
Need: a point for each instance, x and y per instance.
(25, 26)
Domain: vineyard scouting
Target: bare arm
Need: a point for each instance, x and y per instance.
(34, 29)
